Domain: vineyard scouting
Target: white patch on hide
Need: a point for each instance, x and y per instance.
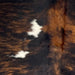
(36, 28)
(20, 54)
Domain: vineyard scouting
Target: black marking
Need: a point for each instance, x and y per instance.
(65, 71)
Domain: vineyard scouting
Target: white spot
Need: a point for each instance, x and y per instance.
(36, 28)
(20, 54)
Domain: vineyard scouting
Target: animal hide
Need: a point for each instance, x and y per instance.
(37, 37)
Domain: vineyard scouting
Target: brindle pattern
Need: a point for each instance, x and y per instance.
(52, 53)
